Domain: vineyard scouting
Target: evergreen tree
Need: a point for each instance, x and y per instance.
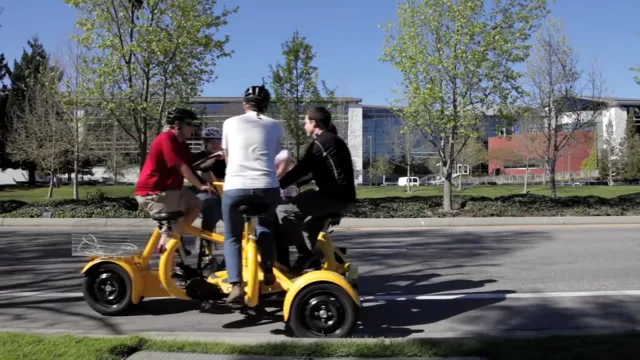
(25, 72)
(630, 151)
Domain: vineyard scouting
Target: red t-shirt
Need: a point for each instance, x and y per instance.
(161, 169)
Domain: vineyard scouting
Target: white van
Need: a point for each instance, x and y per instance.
(413, 181)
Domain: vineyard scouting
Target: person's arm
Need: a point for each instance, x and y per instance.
(174, 156)
(224, 143)
(301, 169)
(285, 160)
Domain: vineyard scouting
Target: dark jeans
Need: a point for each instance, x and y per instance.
(234, 226)
(302, 219)
(211, 212)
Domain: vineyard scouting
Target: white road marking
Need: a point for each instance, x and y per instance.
(459, 296)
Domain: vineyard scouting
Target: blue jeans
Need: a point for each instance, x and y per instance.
(234, 227)
(211, 212)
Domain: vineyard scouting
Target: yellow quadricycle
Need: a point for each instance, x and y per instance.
(320, 303)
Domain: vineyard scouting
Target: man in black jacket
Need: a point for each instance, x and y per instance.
(328, 159)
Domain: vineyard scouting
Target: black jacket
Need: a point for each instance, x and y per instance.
(328, 159)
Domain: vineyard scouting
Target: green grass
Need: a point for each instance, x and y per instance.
(16, 346)
(66, 192)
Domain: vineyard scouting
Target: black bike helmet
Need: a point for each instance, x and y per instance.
(257, 94)
(180, 114)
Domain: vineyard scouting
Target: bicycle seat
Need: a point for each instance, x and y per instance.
(167, 216)
(253, 208)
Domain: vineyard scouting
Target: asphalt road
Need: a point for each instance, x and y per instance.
(422, 283)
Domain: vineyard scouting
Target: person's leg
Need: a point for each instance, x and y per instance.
(290, 227)
(265, 239)
(211, 214)
(233, 228)
(313, 208)
(281, 238)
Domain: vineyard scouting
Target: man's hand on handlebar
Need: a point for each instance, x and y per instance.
(206, 188)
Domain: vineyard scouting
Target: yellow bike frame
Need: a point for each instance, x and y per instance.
(148, 283)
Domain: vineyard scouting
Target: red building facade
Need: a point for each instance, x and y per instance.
(509, 155)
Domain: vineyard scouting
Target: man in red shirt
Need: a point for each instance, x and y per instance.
(160, 187)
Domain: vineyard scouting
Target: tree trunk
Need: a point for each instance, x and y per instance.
(552, 180)
(76, 157)
(51, 180)
(32, 175)
(408, 178)
(460, 182)
(610, 176)
(526, 178)
(142, 151)
(446, 200)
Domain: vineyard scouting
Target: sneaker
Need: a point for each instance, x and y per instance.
(236, 296)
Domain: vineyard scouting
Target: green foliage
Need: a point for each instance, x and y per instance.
(553, 54)
(150, 56)
(630, 152)
(456, 60)
(591, 162)
(99, 206)
(611, 157)
(519, 205)
(381, 167)
(25, 73)
(95, 207)
(295, 88)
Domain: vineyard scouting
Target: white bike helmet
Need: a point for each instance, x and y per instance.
(211, 133)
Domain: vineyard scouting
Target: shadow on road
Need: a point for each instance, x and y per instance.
(393, 263)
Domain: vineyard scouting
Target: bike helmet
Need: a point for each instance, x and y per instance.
(180, 114)
(257, 94)
(211, 133)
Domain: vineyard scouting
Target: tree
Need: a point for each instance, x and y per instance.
(44, 136)
(611, 159)
(403, 141)
(75, 85)
(473, 153)
(295, 87)
(152, 55)
(23, 76)
(591, 162)
(630, 152)
(381, 167)
(457, 60)
(5, 72)
(563, 98)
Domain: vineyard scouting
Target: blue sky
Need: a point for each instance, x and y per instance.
(346, 38)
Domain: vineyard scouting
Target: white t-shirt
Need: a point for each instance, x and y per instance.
(282, 156)
(251, 143)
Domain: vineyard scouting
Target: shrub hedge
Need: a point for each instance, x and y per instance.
(99, 206)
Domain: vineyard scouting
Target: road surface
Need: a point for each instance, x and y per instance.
(418, 283)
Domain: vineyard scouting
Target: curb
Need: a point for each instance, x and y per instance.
(348, 223)
(157, 355)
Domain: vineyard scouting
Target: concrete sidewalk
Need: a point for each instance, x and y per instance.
(153, 355)
(348, 223)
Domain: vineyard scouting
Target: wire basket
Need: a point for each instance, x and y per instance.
(107, 245)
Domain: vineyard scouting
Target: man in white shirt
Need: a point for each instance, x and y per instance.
(250, 143)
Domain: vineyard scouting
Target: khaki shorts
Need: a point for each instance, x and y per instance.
(168, 201)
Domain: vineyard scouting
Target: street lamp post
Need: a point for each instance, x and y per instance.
(370, 160)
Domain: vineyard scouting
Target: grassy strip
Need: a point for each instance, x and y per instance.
(611, 347)
(364, 192)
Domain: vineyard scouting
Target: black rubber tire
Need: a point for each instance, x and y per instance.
(347, 311)
(115, 274)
